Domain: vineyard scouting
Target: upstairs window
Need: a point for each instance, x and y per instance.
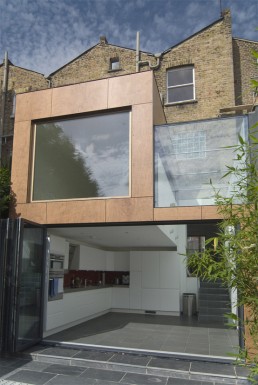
(114, 64)
(180, 84)
(82, 157)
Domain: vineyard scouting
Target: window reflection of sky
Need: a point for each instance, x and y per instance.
(103, 142)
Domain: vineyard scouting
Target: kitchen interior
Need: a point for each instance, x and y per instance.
(123, 286)
(96, 270)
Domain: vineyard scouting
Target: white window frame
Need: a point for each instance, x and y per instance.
(181, 85)
(116, 62)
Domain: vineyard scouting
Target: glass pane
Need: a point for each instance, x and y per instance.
(30, 289)
(115, 65)
(190, 155)
(179, 94)
(180, 76)
(82, 158)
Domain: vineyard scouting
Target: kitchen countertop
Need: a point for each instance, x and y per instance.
(91, 287)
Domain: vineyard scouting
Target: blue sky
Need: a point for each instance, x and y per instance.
(43, 35)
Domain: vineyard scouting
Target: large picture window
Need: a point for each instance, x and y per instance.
(86, 157)
(180, 84)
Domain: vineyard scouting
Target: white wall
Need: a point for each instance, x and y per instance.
(187, 284)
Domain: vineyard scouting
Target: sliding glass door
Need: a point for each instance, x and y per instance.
(23, 262)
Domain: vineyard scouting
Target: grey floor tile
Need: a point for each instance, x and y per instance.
(178, 349)
(31, 377)
(66, 380)
(174, 347)
(143, 379)
(4, 371)
(130, 359)
(198, 350)
(35, 365)
(212, 368)
(66, 370)
(102, 374)
(169, 363)
(13, 362)
(180, 381)
(150, 333)
(60, 352)
(94, 355)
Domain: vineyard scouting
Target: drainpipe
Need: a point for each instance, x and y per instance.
(4, 93)
(137, 51)
(139, 62)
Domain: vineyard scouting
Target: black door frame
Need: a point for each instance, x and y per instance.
(11, 239)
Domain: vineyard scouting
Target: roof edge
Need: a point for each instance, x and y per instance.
(195, 34)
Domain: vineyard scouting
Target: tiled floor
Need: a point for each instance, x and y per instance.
(153, 332)
(61, 366)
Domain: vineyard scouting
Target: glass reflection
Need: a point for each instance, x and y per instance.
(82, 158)
(190, 155)
(30, 289)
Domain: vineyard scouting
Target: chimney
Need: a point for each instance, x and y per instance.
(103, 40)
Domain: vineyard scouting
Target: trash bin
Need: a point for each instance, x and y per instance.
(189, 304)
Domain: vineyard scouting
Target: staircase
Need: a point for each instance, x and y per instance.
(214, 302)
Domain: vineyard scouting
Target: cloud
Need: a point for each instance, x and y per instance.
(43, 35)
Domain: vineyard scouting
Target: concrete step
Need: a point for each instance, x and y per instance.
(158, 363)
(214, 311)
(214, 303)
(211, 284)
(206, 318)
(213, 297)
(214, 290)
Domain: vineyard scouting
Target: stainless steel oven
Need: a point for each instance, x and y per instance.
(56, 277)
(56, 263)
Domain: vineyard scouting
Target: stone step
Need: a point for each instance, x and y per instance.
(213, 297)
(214, 290)
(159, 364)
(206, 318)
(211, 284)
(214, 311)
(214, 303)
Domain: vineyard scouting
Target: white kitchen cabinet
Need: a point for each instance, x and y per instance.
(57, 245)
(150, 269)
(66, 259)
(120, 298)
(135, 298)
(76, 306)
(136, 280)
(121, 260)
(117, 261)
(110, 263)
(150, 299)
(135, 261)
(55, 314)
(60, 246)
(87, 258)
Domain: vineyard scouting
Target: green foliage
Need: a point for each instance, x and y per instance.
(5, 191)
(232, 256)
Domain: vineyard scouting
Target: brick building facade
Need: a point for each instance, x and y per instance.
(223, 67)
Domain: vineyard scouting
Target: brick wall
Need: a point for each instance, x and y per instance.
(19, 80)
(245, 68)
(95, 64)
(210, 51)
